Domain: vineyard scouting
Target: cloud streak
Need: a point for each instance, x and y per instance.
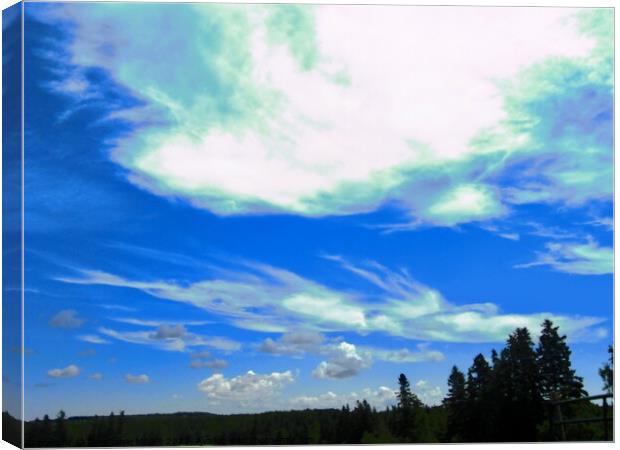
(577, 258)
(280, 301)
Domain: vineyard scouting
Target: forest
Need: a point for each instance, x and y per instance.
(507, 399)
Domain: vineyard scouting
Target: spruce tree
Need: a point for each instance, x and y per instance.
(408, 402)
(521, 388)
(455, 403)
(557, 378)
(607, 372)
(478, 400)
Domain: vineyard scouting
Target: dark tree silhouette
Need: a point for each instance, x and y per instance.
(557, 378)
(407, 405)
(455, 403)
(607, 372)
(479, 402)
(518, 382)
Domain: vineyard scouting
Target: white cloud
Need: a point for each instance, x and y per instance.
(429, 395)
(344, 362)
(510, 236)
(465, 203)
(171, 338)
(116, 307)
(67, 318)
(343, 359)
(137, 379)
(215, 364)
(246, 387)
(96, 376)
(68, 372)
(169, 332)
(260, 294)
(293, 344)
(404, 355)
(92, 339)
(378, 398)
(575, 257)
(322, 130)
(159, 323)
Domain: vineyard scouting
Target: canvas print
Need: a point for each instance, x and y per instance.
(287, 224)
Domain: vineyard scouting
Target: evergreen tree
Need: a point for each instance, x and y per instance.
(408, 402)
(455, 403)
(607, 372)
(518, 381)
(557, 378)
(479, 400)
(362, 420)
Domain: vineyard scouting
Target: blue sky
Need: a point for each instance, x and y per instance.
(238, 208)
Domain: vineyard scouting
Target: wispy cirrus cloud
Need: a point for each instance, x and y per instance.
(279, 300)
(579, 258)
(92, 339)
(404, 355)
(472, 132)
(171, 338)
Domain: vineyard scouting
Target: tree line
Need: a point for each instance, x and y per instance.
(510, 398)
(506, 399)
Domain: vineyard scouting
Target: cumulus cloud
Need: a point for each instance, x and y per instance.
(137, 379)
(345, 362)
(67, 318)
(265, 298)
(429, 395)
(357, 134)
(378, 398)
(246, 387)
(68, 372)
(579, 258)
